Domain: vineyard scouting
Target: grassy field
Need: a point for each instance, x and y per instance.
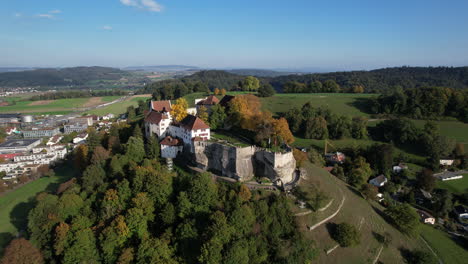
(459, 186)
(120, 107)
(360, 213)
(451, 129)
(53, 106)
(447, 249)
(344, 104)
(15, 205)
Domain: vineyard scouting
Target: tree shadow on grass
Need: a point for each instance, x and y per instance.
(5, 239)
(362, 104)
(19, 215)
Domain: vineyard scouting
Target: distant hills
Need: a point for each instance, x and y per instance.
(59, 77)
(258, 72)
(161, 68)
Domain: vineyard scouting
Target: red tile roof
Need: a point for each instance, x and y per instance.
(161, 106)
(210, 100)
(170, 141)
(191, 122)
(155, 117)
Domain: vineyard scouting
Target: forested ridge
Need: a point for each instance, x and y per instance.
(65, 76)
(375, 81)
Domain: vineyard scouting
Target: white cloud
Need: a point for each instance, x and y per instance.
(149, 5)
(106, 27)
(18, 15)
(55, 11)
(48, 16)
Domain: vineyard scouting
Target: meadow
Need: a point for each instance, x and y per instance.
(444, 246)
(459, 186)
(120, 107)
(15, 205)
(54, 106)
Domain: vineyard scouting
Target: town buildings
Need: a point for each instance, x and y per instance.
(40, 132)
(18, 145)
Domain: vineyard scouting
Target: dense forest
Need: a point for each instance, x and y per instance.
(65, 76)
(376, 81)
(76, 94)
(126, 207)
(422, 103)
(385, 79)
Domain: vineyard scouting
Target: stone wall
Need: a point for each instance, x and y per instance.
(244, 163)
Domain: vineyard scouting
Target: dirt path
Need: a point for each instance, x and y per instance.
(93, 101)
(378, 255)
(41, 102)
(332, 215)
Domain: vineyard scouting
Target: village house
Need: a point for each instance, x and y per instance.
(74, 128)
(378, 181)
(207, 102)
(40, 132)
(81, 138)
(400, 167)
(170, 147)
(446, 162)
(54, 140)
(425, 217)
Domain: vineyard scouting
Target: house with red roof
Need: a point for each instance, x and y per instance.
(190, 129)
(207, 102)
(170, 147)
(158, 119)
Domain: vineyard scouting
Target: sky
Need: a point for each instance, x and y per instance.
(294, 34)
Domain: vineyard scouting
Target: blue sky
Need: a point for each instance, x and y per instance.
(332, 34)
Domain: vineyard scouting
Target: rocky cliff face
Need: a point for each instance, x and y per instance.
(244, 163)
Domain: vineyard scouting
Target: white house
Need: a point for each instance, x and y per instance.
(80, 138)
(446, 162)
(158, 119)
(190, 129)
(398, 168)
(425, 217)
(54, 140)
(378, 181)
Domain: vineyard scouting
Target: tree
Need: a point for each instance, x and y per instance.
(223, 91)
(358, 88)
(100, 155)
(153, 148)
(137, 131)
(381, 157)
(131, 114)
(81, 157)
(216, 91)
(360, 172)
(346, 235)
(179, 109)
(83, 248)
(244, 193)
(135, 149)
(316, 128)
(202, 113)
(157, 251)
(21, 251)
(217, 117)
(359, 128)
(266, 90)
(93, 176)
(300, 157)
(331, 86)
(369, 191)
(281, 131)
(250, 83)
(426, 180)
(404, 217)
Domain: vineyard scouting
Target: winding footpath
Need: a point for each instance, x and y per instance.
(332, 215)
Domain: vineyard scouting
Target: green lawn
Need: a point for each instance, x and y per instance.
(15, 205)
(459, 186)
(338, 103)
(60, 105)
(447, 249)
(117, 108)
(451, 129)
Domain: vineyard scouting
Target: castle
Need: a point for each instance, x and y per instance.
(191, 137)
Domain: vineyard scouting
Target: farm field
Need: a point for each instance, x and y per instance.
(15, 205)
(444, 246)
(451, 129)
(54, 106)
(459, 186)
(120, 107)
(360, 213)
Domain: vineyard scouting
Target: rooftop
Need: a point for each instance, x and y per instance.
(155, 117)
(18, 143)
(191, 122)
(210, 100)
(161, 106)
(170, 141)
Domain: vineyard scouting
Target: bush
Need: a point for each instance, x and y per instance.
(346, 235)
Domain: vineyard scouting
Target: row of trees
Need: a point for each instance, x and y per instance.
(128, 208)
(76, 94)
(329, 86)
(320, 123)
(423, 103)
